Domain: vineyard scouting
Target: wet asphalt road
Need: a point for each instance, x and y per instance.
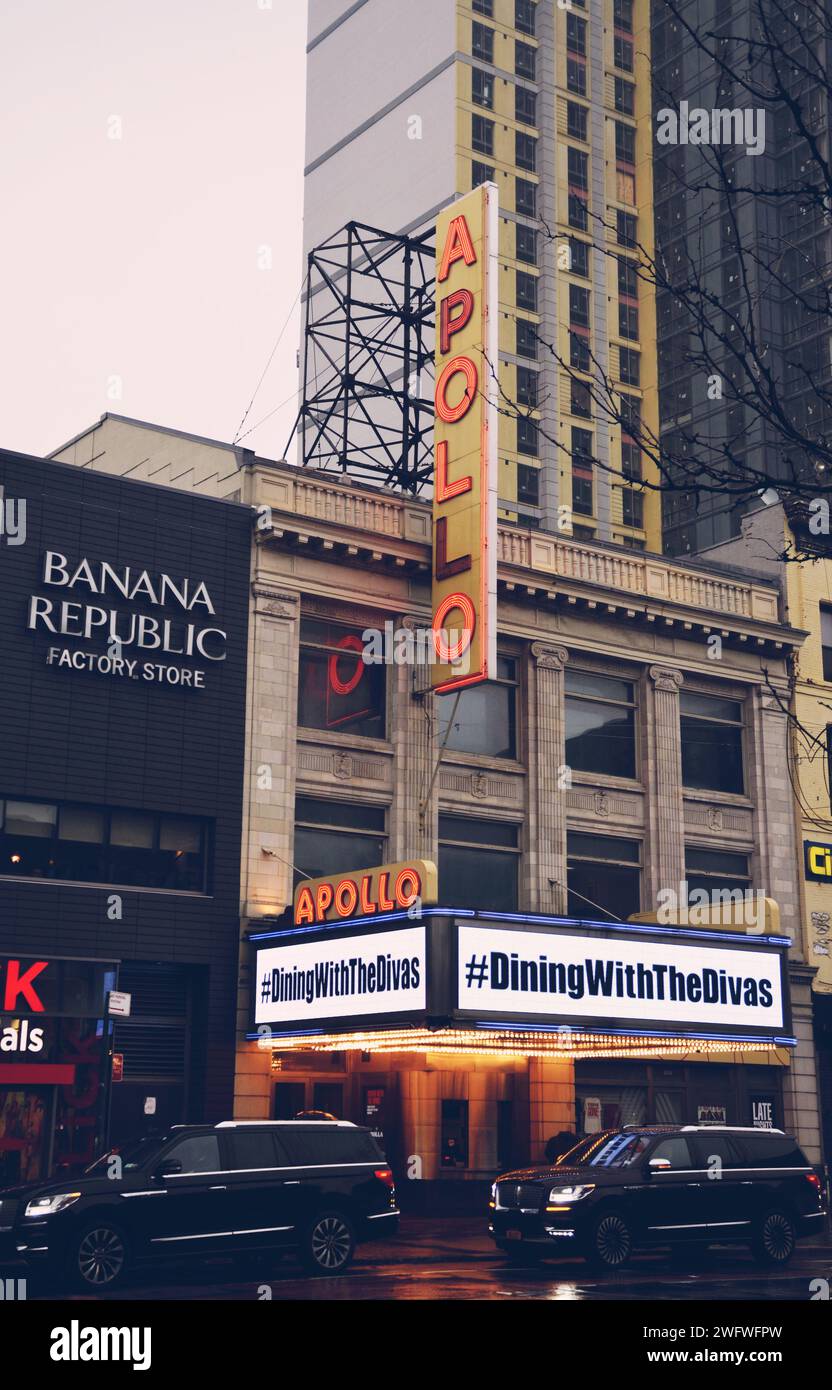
(452, 1259)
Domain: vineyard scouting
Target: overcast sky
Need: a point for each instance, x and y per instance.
(150, 171)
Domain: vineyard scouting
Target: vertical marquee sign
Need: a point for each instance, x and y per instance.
(465, 482)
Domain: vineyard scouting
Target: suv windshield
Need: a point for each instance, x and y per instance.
(618, 1151)
(133, 1156)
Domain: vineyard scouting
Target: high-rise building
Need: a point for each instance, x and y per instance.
(410, 106)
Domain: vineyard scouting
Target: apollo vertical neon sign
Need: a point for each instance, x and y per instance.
(465, 432)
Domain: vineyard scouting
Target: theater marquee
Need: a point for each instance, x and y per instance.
(465, 432)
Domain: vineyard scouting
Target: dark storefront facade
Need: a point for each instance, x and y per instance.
(123, 629)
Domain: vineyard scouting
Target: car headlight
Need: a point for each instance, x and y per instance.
(571, 1194)
(47, 1206)
(493, 1192)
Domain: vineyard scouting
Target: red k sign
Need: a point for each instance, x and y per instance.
(19, 993)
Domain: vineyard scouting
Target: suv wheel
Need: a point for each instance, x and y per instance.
(611, 1242)
(98, 1256)
(328, 1244)
(774, 1239)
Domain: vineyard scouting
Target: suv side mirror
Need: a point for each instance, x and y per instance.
(658, 1165)
(167, 1169)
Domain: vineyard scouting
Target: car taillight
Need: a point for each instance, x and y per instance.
(814, 1181)
(385, 1175)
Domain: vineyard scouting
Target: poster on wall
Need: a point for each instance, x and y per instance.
(762, 1111)
(711, 1115)
(592, 1115)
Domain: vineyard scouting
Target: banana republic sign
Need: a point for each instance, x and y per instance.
(137, 643)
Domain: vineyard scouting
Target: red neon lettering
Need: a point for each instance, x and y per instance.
(17, 984)
(366, 904)
(323, 900)
(346, 897)
(410, 877)
(445, 490)
(385, 904)
(452, 414)
(449, 327)
(305, 910)
(445, 568)
(458, 247)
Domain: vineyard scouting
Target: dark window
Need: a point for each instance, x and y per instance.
(333, 837)
(627, 277)
(478, 862)
(578, 256)
(198, 1154)
(625, 96)
(676, 1151)
(528, 484)
(600, 724)
(332, 1144)
(525, 15)
(577, 163)
(485, 7)
(576, 120)
(582, 491)
(527, 435)
(482, 134)
(482, 88)
(526, 291)
(580, 356)
(622, 14)
(526, 197)
(482, 42)
(527, 387)
(711, 869)
(576, 35)
(632, 508)
(629, 366)
(623, 53)
(625, 143)
(630, 413)
(628, 321)
(711, 742)
(580, 398)
(526, 339)
(707, 1147)
(581, 444)
(525, 106)
(526, 244)
(774, 1151)
(485, 719)
(481, 173)
(251, 1149)
(337, 689)
(525, 151)
(630, 459)
(579, 306)
(626, 229)
(525, 58)
(454, 1138)
(603, 876)
(95, 844)
(576, 76)
(577, 212)
(826, 641)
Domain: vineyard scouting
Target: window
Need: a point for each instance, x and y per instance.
(576, 120)
(580, 356)
(578, 256)
(625, 96)
(329, 1144)
(576, 35)
(485, 720)
(603, 876)
(482, 88)
(625, 143)
(627, 277)
(622, 14)
(630, 412)
(580, 398)
(525, 15)
(526, 244)
(525, 151)
(622, 53)
(626, 229)
(576, 76)
(582, 490)
(94, 844)
(481, 173)
(525, 58)
(632, 508)
(600, 724)
(250, 1150)
(527, 436)
(628, 321)
(577, 164)
(676, 1151)
(485, 7)
(454, 1137)
(198, 1154)
(482, 42)
(712, 869)
(578, 306)
(482, 134)
(711, 742)
(525, 197)
(577, 212)
(772, 1151)
(629, 366)
(826, 641)
(526, 291)
(478, 862)
(527, 387)
(337, 689)
(526, 339)
(334, 837)
(528, 485)
(525, 106)
(630, 460)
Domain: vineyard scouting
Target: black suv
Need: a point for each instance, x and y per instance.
(667, 1185)
(318, 1188)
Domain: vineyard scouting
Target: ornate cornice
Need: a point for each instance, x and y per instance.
(666, 678)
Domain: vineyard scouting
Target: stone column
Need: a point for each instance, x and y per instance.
(413, 829)
(551, 1101)
(548, 782)
(665, 844)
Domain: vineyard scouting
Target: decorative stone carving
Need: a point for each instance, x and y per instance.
(602, 804)
(714, 815)
(343, 766)
(666, 678)
(479, 785)
(549, 658)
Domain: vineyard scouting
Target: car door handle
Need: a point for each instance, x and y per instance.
(292, 1182)
(219, 1188)
(693, 1184)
